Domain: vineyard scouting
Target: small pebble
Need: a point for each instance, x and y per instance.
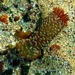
(16, 18)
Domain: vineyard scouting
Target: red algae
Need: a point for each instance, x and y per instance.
(51, 26)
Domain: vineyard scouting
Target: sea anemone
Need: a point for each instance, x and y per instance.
(53, 24)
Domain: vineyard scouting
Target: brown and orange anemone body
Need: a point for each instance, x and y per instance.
(51, 25)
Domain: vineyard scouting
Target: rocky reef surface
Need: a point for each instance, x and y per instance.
(36, 38)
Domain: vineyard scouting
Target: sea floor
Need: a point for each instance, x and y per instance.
(60, 63)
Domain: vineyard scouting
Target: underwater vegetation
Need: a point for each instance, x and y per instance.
(30, 48)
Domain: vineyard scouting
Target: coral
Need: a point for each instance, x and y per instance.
(53, 24)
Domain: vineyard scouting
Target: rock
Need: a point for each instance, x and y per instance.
(16, 18)
(26, 18)
(7, 72)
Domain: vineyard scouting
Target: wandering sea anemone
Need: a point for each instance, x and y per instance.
(53, 24)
